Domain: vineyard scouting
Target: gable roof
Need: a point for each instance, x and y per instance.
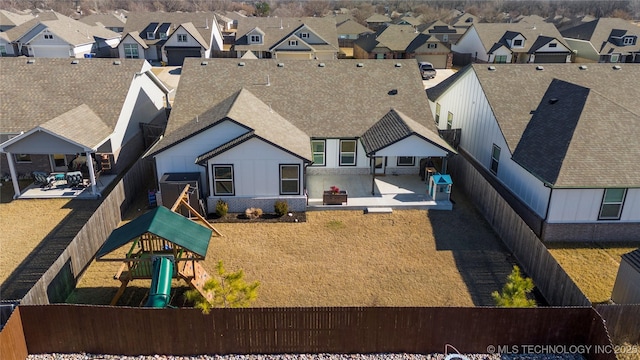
(350, 26)
(392, 37)
(465, 20)
(395, 126)
(203, 24)
(9, 18)
(80, 124)
(303, 93)
(164, 223)
(598, 31)
(71, 31)
(193, 31)
(497, 33)
(107, 20)
(605, 130)
(276, 30)
(28, 101)
(136, 36)
(378, 18)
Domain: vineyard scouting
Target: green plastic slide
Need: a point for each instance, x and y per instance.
(160, 292)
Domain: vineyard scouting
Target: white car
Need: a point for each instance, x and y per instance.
(427, 70)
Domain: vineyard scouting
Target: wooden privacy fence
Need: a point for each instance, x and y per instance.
(549, 277)
(59, 279)
(145, 331)
(623, 322)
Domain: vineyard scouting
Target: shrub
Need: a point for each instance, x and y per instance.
(222, 208)
(281, 207)
(253, 213)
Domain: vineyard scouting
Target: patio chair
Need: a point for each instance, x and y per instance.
(74, 178)
(42, 179)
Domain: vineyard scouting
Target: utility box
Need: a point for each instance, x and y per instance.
(171, 186)
(440, 187)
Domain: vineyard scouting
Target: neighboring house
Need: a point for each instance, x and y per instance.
(407, 20)
(287, 38)
(6, 48)
(53, 35)
(464, 21)
(114, 21)
(446, 33)
(609, 40)
(376, 20)
(262, 128)
(403, 42)
(350, 30)
(52, 109)
(520, 42)
(9, 20)
(559, 139)
(170, 37)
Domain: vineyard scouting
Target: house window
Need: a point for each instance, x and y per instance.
(629, 40)
(517, 42)
(163, 36)
(223, 180)
(48, 36)
(293, 42)
(151, 35)
(495, 159)
(500, 59)
(347, 152)
(437, 113)
(22, 158)
(449, 120)
(317, 149)
(304, 35)
(614, 58)
(445, 38)
(552, 45)
(3, 50)
(612, 202)
(131, 51)
(255, 39)
(406, 161)
(290, 179)
(182, 37)
(432, 46)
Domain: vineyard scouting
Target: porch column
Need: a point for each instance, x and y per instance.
(14, 176)
(92, 175)
(373, 173)
(444, 164)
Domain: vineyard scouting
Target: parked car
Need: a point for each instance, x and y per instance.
(427, 70)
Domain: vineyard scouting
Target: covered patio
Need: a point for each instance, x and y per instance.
(63, 190)
(393, 191)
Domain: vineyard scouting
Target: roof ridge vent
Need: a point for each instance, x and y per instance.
(117, 62)
(398, 65)
(321, 65)
(359, 65)
(616, 67)
(241, 63)
(582, 67)
(539, 67)
(491, 68)
(74, 62)
(204, 63)
(31, 61)
(280, 64)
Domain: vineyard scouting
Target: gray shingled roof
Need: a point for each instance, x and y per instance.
(605, 136)
(203, 22)
(303, 93)
(81, 125)
(378, 18)
(352, 27)
(136, 36)
(597, 32)
(106, 20)
(274, 33)
(395, 126)
(32, 94)
(8, 18)
(492, 33)
(72, 31)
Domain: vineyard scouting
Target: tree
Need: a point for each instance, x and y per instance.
(262, 8)
(226, 289)
(514, 292)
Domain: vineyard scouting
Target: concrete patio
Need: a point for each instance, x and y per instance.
(392, 191)
(60, 189)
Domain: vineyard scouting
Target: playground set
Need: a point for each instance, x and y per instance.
(164, 246)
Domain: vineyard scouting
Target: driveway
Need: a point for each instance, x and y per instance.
(440, 76)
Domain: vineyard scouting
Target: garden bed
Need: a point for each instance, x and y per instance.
(264, 218)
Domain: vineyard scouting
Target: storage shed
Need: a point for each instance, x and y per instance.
(626, 289)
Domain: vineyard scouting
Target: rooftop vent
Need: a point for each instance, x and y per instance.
(321, 65)
(204, 63)
(280, 65)
(553, 101)
(241, 64)
(616, 67)
(582, 67)
(491, 68)
(117, 62)
(360, 65)
(539, 67)
(31, 61)
(398, 65)
(393, 92)
(74, 62)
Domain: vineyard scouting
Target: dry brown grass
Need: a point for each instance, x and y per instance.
(347, 258)
(592, 266)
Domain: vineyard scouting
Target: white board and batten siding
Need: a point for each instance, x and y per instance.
(332, 160)
(472, 113)
(583, 205)
(181, 157)
(173, 39)
(141, 51)
(470, 43)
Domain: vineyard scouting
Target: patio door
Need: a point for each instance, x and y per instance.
(58, 162)
(379, 165)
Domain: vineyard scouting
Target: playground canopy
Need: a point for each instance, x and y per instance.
(165, 224)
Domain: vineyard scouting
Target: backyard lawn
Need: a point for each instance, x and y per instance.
(592, 266)
(347, 258)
